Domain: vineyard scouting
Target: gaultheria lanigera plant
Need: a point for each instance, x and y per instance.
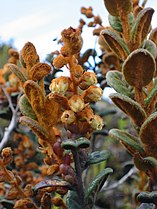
(63, 122)
(130, 37)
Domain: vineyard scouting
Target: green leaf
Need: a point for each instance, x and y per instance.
(146, 206)
(116, 44)
(97, 157)
(141, 26)
(151, 95)
(114, 7)
(129, 141)
(96, 185)
(148, 131)
(82, 142)
(151, 47)
(116, 80)
(129, 107)
(35, 127)
(26, 108)
(17, 72)
(148, 197)
(116, 23)
(139, 68)
(70, 144)
(72, 200)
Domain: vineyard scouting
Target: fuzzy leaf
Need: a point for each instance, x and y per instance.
(39, 71)
(72, 200)
(70, 144)
(151, 95)
(17, 72)
(145, 164)
(82, 142)
(146, 206)
(56, 183)
(151, 47)
(129, 107)
(116, 81)
(116, 43)
(7, 203)
(115, 6)
(116, 23)
(97, 157)
(26, 108)
(141, 26)
(96, 185)
(148, 131)
(148, 197)
(35, 127)
(51, 112)
(34, 95)
(139, 68)
(131, 142)
(153, 35)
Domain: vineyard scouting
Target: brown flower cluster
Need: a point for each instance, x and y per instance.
(77, 91)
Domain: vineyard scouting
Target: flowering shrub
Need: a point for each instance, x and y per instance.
(46, 169)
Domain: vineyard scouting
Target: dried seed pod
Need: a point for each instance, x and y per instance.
(87, 79)
(76, 103)
(59, 85)
(59, 61)
(97, 122)
(92, 94)
(139, 68)
(68, 117)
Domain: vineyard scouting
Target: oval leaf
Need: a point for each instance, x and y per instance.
(114, 7)
(39, 71)
(35, 127)
(151, 47)
(69, 144)
(116, 23)
(72, 200)
(26, 108)
(82, 142)
(116, 81)
(148, 131)
(52, 183)
(17, 72)
(153, 35)
(148, 197)
(97, 157)
(129, 107)
(139, 68)
(141, 26)
(96, 185)
(116, 44)
(132, 142)
(34, 95)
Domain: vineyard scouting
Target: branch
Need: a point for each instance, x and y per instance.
(121, 181)
(13, 121)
